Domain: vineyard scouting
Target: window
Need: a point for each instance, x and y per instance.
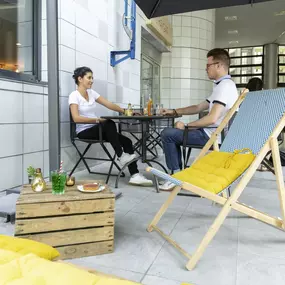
(246, 62)
(20, 44)
(281, 66)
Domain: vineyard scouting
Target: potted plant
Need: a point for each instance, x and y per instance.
(31, 173)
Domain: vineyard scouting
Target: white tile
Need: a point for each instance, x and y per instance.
(177, 31)
(44, 32)
(185, 41)
(33, 137)
(186, 32)
(46, 164)
(11, 172)
(67, 84)
(176, 20)
(81, 39)
(11, 85)
(100, 70)
(67, 10)
(44, 76)
(186, 21)
(67, 34)
(100, 49)
(46, 136)
(111, 92)
(11, 140)
(186, 52)
(65, 134)
(64, 109)
(44, 61)
(67, 59)
(134, 81)
(34, 159)
(11, 109)
(185, 83)
(33, 108)
(45, 108)
(103, 31)
(99, 9)
(46, 90)
(44, 12)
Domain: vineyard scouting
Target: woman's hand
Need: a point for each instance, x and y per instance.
(179, 125)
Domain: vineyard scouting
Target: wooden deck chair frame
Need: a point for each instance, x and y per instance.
(232, 201)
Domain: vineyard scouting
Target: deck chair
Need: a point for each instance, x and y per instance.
(257, 125)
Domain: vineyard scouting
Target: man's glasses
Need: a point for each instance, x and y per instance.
(210, 64)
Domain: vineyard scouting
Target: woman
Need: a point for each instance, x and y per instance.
(82, 104)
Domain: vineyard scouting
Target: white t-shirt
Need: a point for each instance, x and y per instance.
(86, 108)
(226, 94)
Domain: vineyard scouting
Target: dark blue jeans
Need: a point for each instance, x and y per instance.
(172, 140)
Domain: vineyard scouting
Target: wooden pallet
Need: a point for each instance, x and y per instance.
(76, 224)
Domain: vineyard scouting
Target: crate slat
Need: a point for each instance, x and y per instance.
(86, 249)
(27, 226)
(64, 208)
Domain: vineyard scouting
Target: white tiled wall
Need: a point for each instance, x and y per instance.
(22, 131)
(184, 79)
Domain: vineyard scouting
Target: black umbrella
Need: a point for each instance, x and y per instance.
(158, 8)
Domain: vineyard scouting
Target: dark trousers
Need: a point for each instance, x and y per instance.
(110, 134)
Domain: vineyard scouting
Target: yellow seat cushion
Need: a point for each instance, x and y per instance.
(33, 270)
(217, 170)
(25, 246)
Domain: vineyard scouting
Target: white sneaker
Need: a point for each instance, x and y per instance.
(125, 158)
(139, 179)
(166, 186)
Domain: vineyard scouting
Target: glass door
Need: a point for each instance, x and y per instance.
(150, 80)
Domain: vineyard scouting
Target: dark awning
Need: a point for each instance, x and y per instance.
(158, 8)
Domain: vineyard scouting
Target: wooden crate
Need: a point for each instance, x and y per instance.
(76, 224)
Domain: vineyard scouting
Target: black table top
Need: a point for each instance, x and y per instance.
(140, 117)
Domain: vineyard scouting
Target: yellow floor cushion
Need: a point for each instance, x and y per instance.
(33, 270)
(217, 170)
(7, 256)
(25, 246)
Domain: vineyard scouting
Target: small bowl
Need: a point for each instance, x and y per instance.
(70, 181)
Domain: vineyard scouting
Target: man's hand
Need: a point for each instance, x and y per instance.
(179, 125)
(166, 112)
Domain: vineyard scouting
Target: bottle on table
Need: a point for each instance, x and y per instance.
(38, 183)
(129, 110)
(149, 106)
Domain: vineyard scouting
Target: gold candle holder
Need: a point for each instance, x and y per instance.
(70, 181)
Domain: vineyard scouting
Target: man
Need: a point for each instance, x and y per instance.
(221, 100)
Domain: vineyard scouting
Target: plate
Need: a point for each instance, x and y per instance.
(101, 188)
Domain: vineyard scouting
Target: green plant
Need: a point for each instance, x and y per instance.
(31, 171)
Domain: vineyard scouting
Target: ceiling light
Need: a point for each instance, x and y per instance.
(230, 18)
(233, 42)
(18, 44)
(281, 13)
(232, 32)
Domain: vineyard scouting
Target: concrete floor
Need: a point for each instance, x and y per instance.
(244, 251)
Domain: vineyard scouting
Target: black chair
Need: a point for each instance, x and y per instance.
(74, 139)
(185, 145)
